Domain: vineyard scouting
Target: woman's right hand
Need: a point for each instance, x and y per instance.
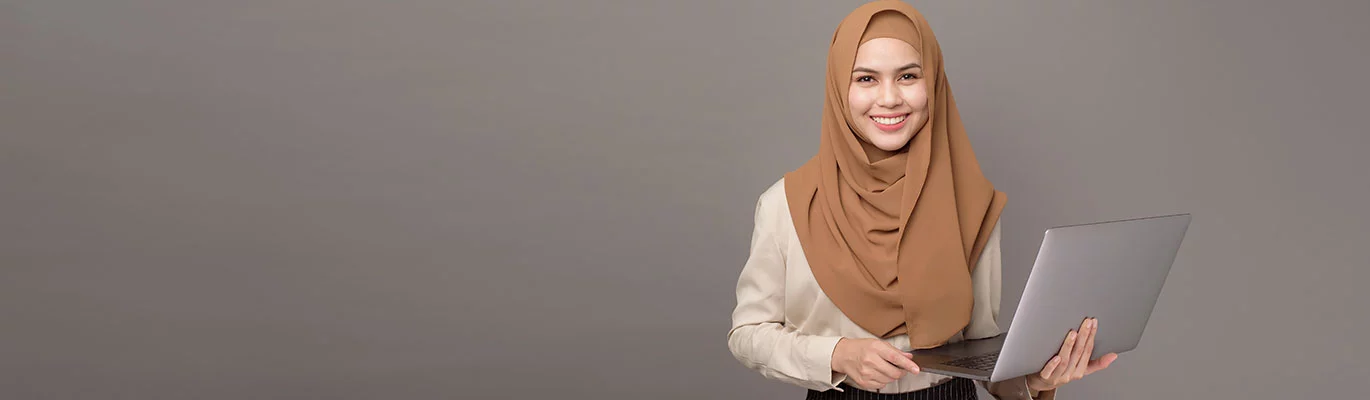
(871, 363)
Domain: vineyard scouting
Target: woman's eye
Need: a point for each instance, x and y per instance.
(908, 76)
(864, 79)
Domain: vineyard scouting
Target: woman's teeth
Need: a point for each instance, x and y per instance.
(889, 120)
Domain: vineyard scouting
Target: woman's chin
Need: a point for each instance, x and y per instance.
(892, 143)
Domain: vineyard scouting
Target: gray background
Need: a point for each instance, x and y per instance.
(514, 199)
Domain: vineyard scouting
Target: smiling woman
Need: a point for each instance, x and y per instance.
(887, 240)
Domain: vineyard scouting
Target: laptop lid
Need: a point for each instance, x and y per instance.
(1112, 271)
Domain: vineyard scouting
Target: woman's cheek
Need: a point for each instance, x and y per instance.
(917, 97)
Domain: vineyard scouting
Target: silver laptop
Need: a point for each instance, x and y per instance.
(1112, 271)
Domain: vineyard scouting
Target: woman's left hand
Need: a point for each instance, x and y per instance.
(1074, 361)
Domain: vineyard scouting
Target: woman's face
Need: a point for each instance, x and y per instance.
(888, 96)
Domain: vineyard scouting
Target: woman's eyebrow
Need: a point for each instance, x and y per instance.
(868, 70)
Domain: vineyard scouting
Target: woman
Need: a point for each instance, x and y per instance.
(888, 239)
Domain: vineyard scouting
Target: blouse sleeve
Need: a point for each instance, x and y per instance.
(985, 286)
(759, 337)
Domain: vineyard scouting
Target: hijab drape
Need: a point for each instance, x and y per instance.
(892, 242)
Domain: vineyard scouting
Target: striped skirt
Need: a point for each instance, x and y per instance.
(954, 389)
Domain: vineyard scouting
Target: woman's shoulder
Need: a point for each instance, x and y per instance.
(772, 208)
(774, 202)
(773, 198)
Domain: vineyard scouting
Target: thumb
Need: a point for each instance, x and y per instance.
(903, 360)
(1101, 363)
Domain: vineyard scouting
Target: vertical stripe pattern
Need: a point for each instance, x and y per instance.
(954, 389)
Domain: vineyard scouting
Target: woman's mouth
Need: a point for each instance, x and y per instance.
(890, 123)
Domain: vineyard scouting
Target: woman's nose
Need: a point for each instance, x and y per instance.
(889, 96)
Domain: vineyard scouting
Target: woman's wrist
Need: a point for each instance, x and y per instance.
(1032, 393)
(1011, 389)
(1041, 385)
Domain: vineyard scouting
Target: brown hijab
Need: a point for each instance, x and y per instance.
(893, 242)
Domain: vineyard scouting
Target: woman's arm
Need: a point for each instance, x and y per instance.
(985, 287)
(759, 337)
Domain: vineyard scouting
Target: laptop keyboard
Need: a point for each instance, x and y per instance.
(983, 362)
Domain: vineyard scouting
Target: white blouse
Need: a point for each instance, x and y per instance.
(785, 327)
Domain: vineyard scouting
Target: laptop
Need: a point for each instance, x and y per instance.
(1112, 271)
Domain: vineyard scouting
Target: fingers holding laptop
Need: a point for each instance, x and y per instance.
(871, 363)
(1087, 363)
(1073, 361)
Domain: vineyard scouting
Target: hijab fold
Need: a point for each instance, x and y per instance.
(892, 242)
